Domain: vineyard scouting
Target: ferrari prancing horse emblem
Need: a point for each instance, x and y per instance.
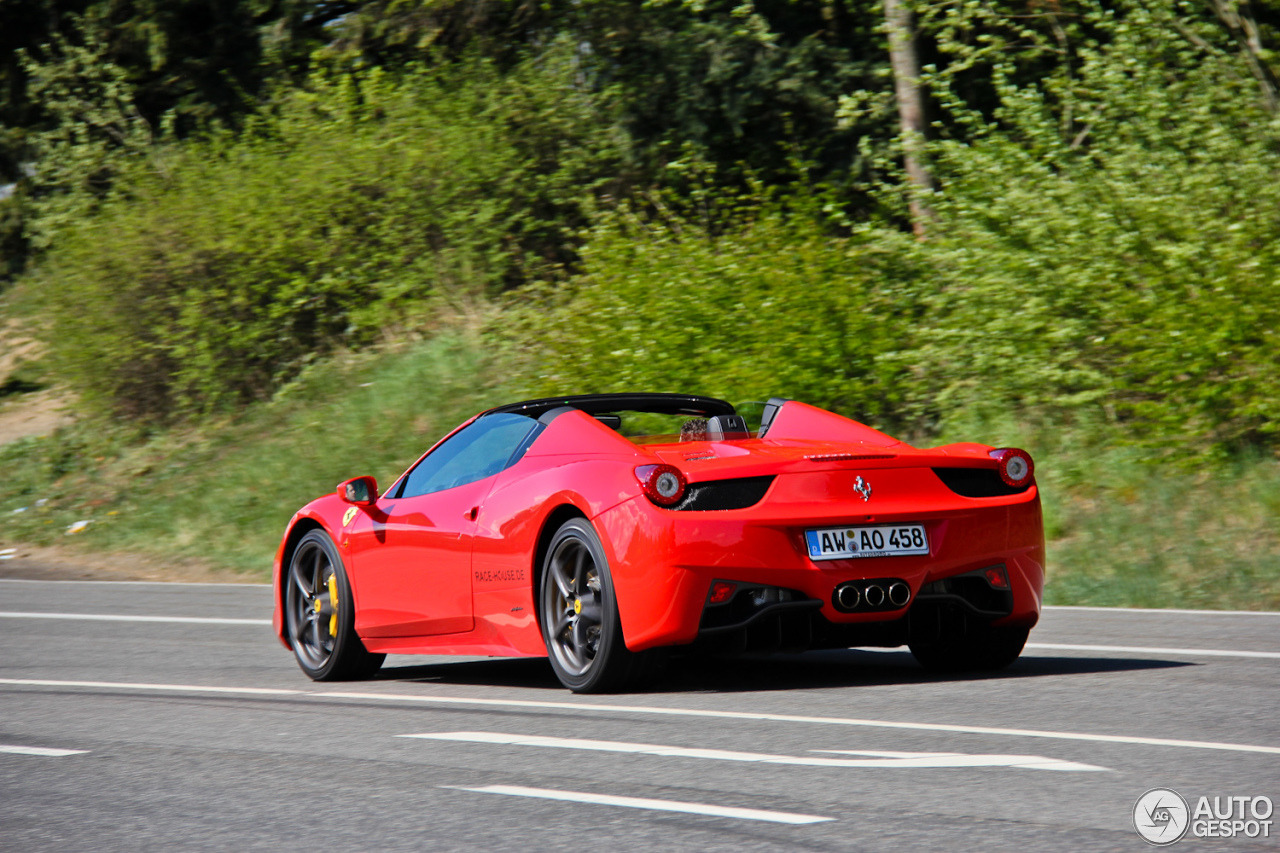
(863, 488)
(348, 515)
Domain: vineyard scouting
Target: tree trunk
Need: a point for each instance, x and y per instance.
(906, 81)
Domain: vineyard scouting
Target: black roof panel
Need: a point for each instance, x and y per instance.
(598, 404)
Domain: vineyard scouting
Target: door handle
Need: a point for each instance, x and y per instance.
(471, 513)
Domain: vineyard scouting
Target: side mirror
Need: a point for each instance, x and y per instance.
(361, 491)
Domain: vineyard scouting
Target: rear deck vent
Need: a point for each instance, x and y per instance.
(738, 493)
(977, 482)
(849, 457)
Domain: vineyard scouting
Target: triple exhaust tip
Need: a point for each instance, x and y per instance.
(874, 594)
(848, 596)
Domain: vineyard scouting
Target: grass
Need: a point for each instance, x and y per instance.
(1137, 535)
(1123, 530)
(223, 493)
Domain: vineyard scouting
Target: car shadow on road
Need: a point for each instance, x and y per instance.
(534, 673)
(811, 670)
(858, 667)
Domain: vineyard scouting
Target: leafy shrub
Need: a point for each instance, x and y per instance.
(1119, 265)
(772, 306)
(237, 259)
(1115, 240)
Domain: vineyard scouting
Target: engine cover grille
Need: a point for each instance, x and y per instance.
(738, 493)
(978, 482)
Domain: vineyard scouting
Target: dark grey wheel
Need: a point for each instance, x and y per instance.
(579, 616)
(977, 650)
(320, 616)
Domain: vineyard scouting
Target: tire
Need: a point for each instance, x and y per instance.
(578, 614)
(986, 650)
(323, 637)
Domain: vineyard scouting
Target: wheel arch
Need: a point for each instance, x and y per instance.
(301, 528)
(550, 525)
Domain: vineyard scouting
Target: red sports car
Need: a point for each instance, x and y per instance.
(602, 531)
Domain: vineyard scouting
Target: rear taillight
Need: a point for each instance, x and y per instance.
(663, 484)
(1016, 466)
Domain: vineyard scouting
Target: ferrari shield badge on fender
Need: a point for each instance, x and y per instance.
(348, 515)
(863, 488)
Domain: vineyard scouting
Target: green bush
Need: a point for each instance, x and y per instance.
(1113, 240)
(349, 208)
(772, 306)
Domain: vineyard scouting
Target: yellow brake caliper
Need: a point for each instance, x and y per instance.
(333, 604)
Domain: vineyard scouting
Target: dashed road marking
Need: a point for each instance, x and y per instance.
(1152, 650)
(644, 803)
(116, 617)
(176, 688)
(44, 751)
(898, 761)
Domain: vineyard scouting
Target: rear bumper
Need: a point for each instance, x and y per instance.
(663, 562)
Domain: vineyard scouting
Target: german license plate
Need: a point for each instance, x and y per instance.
(880, 540)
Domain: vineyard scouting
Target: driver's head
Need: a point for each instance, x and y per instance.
(694, 429)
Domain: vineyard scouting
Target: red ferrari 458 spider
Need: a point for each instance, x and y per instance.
(603, 531)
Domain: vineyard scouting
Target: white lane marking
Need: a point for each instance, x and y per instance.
(112, 617)
(795, 718)
(1170, 610)
(957, 759)
(1151, 650)
(40, 750)
(1030, 762)
(660, 711)
(139, 583)
(884, 753)
(178, 688)
(644, 803)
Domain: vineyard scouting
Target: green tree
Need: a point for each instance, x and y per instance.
(751, 87)
(1109, 237)
(197, 62)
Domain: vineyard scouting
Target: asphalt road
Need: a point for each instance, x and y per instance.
(204, 735)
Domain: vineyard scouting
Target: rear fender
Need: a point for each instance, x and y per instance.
(659, 603)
